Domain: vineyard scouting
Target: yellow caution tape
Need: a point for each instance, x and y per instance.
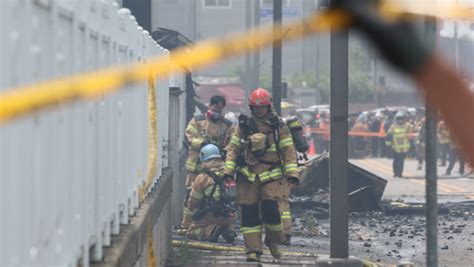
(151, 248)
(24, 100)
(214, 247)
(152, 139)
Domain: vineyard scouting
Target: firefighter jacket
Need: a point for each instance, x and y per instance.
(202, 130)
(205, 187)
(443, 133)
(398, 137)
(278, 159)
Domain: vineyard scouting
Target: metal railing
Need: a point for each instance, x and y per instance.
(70, 176)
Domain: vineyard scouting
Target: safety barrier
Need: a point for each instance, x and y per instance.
(71, 176)
(380, 134)
(361, 143)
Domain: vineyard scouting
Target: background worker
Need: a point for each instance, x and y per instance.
(268, 164)
(209, 128)
(398, 140)
(401, 46)
(443, 142)
(209, 202)
(454, 154)
(420, 143)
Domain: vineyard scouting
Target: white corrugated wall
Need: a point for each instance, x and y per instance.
(70, 176)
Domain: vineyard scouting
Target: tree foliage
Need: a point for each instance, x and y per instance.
(361, 86)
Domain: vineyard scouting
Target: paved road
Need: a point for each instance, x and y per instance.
(454, 188)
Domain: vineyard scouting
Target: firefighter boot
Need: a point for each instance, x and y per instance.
(229, 236)
(253, 256)
(216, 231)
(181, 232)
(187, 218)
(420, 166)
(274, 250)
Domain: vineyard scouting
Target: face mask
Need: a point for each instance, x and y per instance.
(214, 115)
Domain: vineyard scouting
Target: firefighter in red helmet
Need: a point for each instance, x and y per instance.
(262, 155)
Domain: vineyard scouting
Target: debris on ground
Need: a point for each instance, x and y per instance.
(365, 188)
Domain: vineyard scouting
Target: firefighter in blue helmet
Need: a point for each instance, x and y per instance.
(210, 202)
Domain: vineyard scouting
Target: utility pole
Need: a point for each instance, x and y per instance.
(338, 160)
(318, 87)
(248, 58)
(276, 59)
(431, 167)
(256, 52)
(456, 43)
(320, 5)
(376, 84)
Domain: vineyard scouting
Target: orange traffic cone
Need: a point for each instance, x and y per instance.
(312, 149)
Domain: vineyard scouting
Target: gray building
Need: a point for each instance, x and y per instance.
(203, 19)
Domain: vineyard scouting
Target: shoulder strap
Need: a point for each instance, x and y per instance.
(199, 117)
(253, 126)
(227, 122)
(213, 176)
(217, 182)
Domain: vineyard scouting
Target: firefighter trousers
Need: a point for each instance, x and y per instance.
(205, 229)
(260, 208)
(285, 212)
(398, 163)
(187, 214)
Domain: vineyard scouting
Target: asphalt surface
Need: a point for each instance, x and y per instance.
(453, 188)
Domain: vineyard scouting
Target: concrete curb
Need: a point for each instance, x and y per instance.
(130, 244)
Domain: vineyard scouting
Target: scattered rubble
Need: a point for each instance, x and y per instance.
(365, 188)
(393, 238)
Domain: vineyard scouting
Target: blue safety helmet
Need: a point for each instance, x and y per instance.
(209, 152)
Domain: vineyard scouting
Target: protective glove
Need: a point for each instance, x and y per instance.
(293, 180)
(396, 40)
(227, 177)
(198, 143)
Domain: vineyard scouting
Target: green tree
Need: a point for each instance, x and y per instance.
(361, 87)
(266, 79)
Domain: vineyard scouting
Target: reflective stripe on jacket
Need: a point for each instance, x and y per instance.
(269, 166)
(203, 130)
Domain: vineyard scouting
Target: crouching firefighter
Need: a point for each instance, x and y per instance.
(266, 165)
(211, 202)
(209, 128)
